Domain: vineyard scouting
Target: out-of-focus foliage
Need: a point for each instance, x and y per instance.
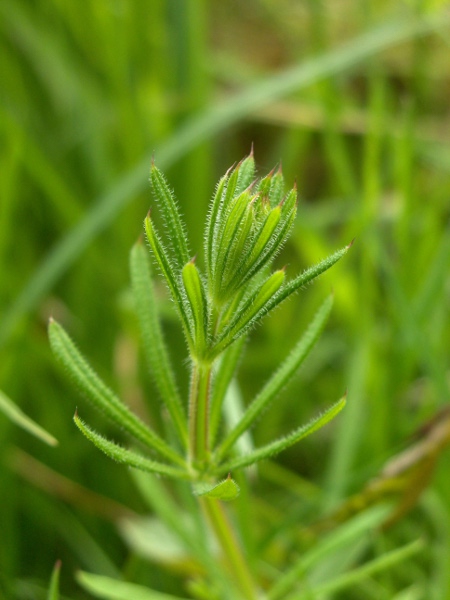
(353, 98)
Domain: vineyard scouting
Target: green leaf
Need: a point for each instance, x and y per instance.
(247, 314)
(53, 590)
(246, 171)
(211, 221)
(172, 279)
(281, 377)
(152, 337)
(113, 589)
(226, 490)
(171, 216)
(197, 300)
(17, 416)
(309, 275)
(127, 457)
(101, 395)
(284, 442)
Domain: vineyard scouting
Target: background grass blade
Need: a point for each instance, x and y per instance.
(218, 118)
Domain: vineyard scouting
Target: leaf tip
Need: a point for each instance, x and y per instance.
(351, 243)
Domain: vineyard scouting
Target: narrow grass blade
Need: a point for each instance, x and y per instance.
(172, 279)
(153, 340)
(17, 416)
(101, 395)
(285, 442)
(217, 119)
(127, 457)
(53, 590)
(113, 589)
(171, 216)
(336, 542)
(280, 378)
(351, 579)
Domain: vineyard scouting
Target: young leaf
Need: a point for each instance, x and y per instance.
(197, 300)
(226, 490)
(246, 314)
(280, 378)
(17, 416)
(171, 278)
(292, 286)
(152, 337)
(309, 275)
(285, 442)
(172, 220)
(101, 395)
(246, 172)
(212, 218)
(53, 590)
(127, 457)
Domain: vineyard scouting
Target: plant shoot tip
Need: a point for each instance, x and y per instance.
(351, 243)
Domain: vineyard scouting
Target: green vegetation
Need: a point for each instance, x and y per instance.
(351, 98)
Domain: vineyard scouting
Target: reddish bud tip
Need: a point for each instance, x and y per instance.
(229, 476)
(58, 564)
(193, 259)
(251, 151)
(351, 243)
(280, 169)
(75, 416)
(51, 320)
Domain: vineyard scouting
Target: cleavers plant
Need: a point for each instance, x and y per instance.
(248, 223)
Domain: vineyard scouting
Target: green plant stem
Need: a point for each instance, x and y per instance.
(230, 546)
(199, 413)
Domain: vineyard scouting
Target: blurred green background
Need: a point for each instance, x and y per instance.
(352, 97)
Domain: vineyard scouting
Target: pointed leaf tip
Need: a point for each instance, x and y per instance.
(351, 243)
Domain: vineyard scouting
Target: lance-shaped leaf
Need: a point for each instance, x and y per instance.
(245, 315)
(309, 275)
(212, 218)
(101, 395)
(226, 490)
(289, 288)
(171, 277)
(216, 226)
(152, 337)
(281, 444)
(197, 300)
(171, 216)
(276, 188)
(267, 252)
(127, 457)
(246, 172)
(280, 378)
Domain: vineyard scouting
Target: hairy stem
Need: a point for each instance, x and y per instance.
(230, 546)
(199, 413)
